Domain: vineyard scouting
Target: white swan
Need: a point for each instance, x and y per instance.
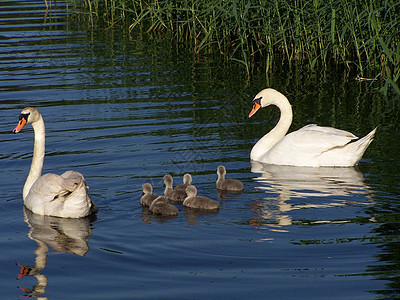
(310, 146)
(52, 195)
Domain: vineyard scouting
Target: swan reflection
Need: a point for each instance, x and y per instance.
(305, 188)
(61, 234)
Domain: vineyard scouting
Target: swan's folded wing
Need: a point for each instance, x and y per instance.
(328, 131)
(73, 177)
(55, 195)
(52, 187)
(304, 146)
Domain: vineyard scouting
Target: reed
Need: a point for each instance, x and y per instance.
(363, 36)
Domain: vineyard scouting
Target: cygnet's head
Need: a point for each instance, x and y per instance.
(221, 171)
(168, 180)
(187, 178)
(191, 191)
(147, 188)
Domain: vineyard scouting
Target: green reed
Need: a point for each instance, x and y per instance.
(363, 36)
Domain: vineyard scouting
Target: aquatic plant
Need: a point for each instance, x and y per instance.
(361, 36)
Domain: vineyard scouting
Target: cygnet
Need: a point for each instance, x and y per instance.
(194, 201)
(148, 197)
(160, 206)
(187, 180)
(223, 184)
(170, 193)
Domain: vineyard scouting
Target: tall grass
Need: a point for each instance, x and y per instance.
(363, 36)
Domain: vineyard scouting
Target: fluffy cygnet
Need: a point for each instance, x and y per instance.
(148, 197)
(227, 184)
(170, 193)
(194, 201)
(187, 180)
(160, 206)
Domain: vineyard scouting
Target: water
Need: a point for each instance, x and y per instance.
(127, 110)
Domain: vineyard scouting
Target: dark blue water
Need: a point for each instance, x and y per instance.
(124, 110)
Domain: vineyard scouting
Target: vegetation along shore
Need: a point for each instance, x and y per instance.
(361, 37)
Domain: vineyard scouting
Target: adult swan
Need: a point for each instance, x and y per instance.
(53, 195)
(310, 146)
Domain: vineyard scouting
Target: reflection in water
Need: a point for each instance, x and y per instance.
(148, 217)
(335, 186)
(62, 234)
(191, 215)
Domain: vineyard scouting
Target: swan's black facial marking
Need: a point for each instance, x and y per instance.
(23, 120)
(256, 105)
(24, 116)
(257, 101)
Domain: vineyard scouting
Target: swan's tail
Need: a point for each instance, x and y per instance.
(362, 144)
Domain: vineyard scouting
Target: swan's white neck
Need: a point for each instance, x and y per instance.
(38, 156)
(278, 132)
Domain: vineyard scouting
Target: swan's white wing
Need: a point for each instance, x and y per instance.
(333, 132)
(62, 196)
(305, 146)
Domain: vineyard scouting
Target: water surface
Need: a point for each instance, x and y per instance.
(124, 110)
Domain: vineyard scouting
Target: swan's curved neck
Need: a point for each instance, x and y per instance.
(38, 156)
(278, 132)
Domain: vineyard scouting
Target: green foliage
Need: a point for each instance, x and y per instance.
(362, 36)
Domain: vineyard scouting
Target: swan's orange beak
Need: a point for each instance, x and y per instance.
(21, 123)
(256, 106)
(24, 271)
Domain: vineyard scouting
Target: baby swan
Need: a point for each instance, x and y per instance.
(148, 196)
(160, 206)
(170, 193)
(187, 180)
(194, 201)
(223, 184)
